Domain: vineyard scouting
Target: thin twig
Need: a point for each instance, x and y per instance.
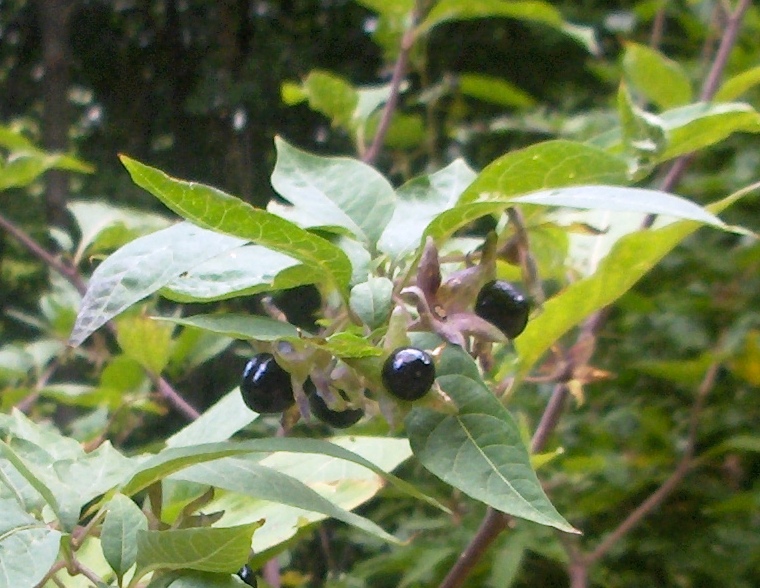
(399, 71)
(71, 274)
(683, 468)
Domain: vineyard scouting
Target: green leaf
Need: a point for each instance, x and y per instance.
(203, 580)
(142, 267)
(479, 449)
(335, 191)
(419, 201)
(630, 259)
(238, 326)
(643, 132)
(174, 459)
(118, 536)
(530, 11)
(331, 95)
(236, 272)
(62, 499)
(146, 341)
(207, 549)
(737, 85)
(217, 423)
(252, 479)
(350, 346)
(692, 128)
(28, 548)
(213, 209)
(105, 226)
(621, 199)
(659, 79)
(551, 164)
(346, 484)
(371, 301)
(494, 90)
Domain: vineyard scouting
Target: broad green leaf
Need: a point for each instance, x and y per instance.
(104, 226)
(207, 549)
(258, 481)
(27, 553)
(419, 201)
(692, 127)
(238, 326)
(552, 164)
(494, 90)
(630, 259)
(213, 209)
(146, 341)
(61, 498)
(59, 447)
(371, 301)
(659, 79)
(479, 450)
(217, 423)
(174, 459)
(118, 536)
(241, 271)
(141, 268)
(622, 199)
(336, 191)
(344, 483)
(331, 95)
(24, 167)
(737, 85)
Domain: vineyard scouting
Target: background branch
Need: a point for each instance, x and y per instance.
(71, 274)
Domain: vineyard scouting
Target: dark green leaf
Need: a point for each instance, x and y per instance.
(118, 536)
(479, 449)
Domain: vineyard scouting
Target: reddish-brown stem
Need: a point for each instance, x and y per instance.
(71, 275)
(399, 71)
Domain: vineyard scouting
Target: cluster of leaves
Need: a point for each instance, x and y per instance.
(566, 215)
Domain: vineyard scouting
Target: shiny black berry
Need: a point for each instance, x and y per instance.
(408, 373)
(340, 419)
(504, 306)
(266, 387)
(246, 574)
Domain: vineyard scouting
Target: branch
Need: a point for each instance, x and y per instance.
(709, 88)
(399, 71)
(659, 495)
(71, 274)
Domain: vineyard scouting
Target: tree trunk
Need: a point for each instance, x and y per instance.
(54, 18)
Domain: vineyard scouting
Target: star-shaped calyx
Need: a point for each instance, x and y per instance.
(445, 306)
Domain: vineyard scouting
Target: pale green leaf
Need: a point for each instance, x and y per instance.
(146, 341)
(258, 481)
(371, 301)
(241, 271)
(26, 554)
(142, 267)
(630, 259)
(217, 423)
(419, 201)
(336, 191)
(659, 79)
(213, 209)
